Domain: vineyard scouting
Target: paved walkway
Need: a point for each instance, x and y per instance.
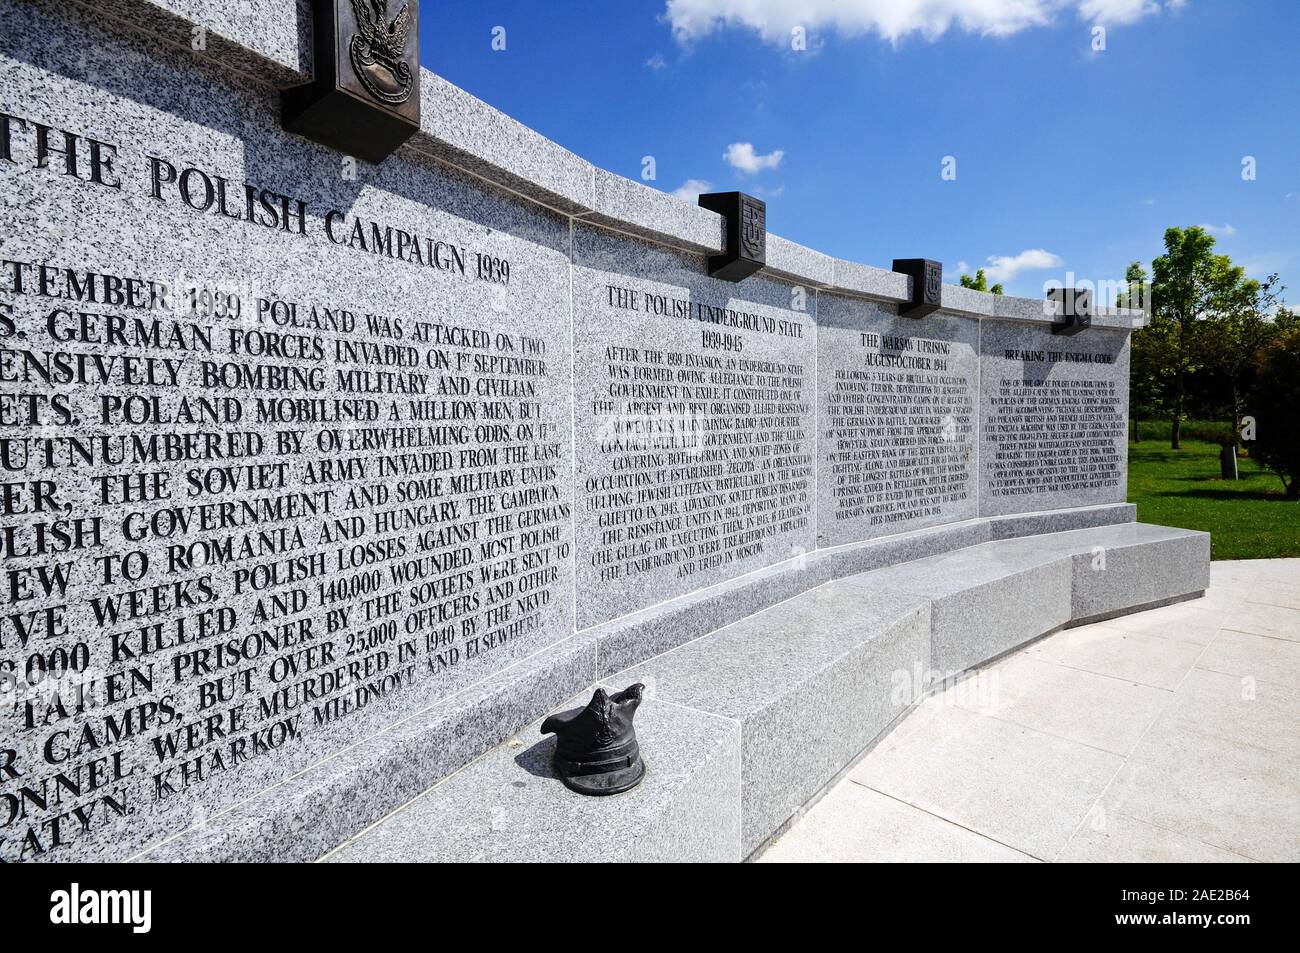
(1172, 735)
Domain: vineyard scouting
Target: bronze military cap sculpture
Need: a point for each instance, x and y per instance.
(596, 751)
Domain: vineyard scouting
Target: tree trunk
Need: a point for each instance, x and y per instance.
(1175, 441)
(1137, 429)
(1236, 417)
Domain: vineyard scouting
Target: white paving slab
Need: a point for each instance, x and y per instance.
(1116, 838)
(853, 824)
(1223, 793)
(1261, 657)
(1097, 710)
(1239, 709)
(1193, 622)
(1133, 656)
(1257, 618)
(1020, 787)
(1168, 736)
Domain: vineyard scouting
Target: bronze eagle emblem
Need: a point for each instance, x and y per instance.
(378, 50)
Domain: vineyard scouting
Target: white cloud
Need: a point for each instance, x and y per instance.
(1224, 229)
(1117, 11)
(894, 19)
(742, 157)
(691, 189)
(1005, 267)
(657, 62)
(963, 268)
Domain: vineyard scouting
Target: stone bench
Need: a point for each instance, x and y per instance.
(744, 726)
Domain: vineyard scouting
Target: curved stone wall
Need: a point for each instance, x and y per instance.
(300, 452)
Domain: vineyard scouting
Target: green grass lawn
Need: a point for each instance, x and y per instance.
(1248, 518)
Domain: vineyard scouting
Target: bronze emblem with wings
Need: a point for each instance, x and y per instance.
(378, 50)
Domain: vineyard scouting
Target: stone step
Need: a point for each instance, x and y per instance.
(649, 632)
(810, 683)
(746, 725)
(510, 805)
(984, 601)
(309, 813)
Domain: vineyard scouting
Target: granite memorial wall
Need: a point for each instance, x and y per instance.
(295, 447)
(898, 418)
(694, 424)
(1054, 418)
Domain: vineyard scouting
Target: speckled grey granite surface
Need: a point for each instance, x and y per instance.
(1153, 565)
(965, 301)
(992, 598)
(461, 129)
(638, 209)
(1126, 565)
(312, 812)
(871, 281)
(404, 529)
(847, 622)
(1053, 418)
(510, 804)
(811, 681)
(124, 73)
(1061, 521)
(983, 601)
(644, 634)
(268, 39)
(808, 684)
(799, 263)
(660, 628)
(897, 402)
(693, 437)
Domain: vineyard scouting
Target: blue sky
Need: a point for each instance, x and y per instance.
(1067, 159)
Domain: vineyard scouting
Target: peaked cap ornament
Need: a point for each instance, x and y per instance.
(596, 751)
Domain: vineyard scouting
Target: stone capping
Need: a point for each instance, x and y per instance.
(266, 40)
(462, 130)
(632, 639)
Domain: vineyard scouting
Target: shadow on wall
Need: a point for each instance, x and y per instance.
(247, 114)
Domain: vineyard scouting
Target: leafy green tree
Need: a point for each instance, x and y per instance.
(1153, 354)
(1191, 284)
(980, 283)
(1149, 357)
(1234, 338)
(1137, 292)
(1277, 395)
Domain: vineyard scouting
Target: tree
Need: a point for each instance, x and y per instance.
(1277, 394)
(980, 283)
(1191, 284)
(1136, 293)
(1235, 336)
(1153, 354)
(1150, 354)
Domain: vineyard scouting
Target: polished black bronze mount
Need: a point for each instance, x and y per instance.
(364, 99)
(596, 750)
(746, 220)
(927, 286)
(1073, 310)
